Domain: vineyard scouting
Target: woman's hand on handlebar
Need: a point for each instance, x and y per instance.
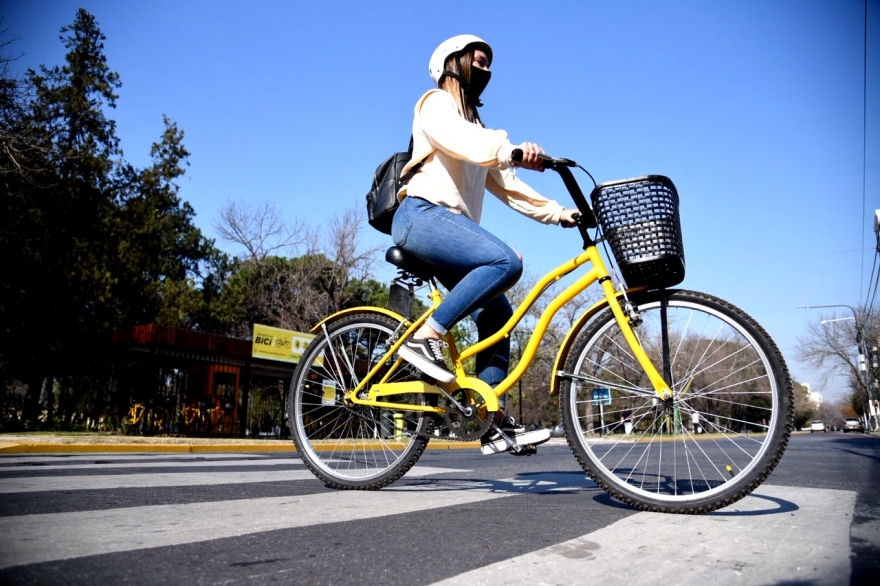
(568, 219)
(531, 157)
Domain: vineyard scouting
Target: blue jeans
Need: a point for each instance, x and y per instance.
(475, 266)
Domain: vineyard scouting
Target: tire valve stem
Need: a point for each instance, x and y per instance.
(730, 470)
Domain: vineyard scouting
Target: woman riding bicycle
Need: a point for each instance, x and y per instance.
(439, 215)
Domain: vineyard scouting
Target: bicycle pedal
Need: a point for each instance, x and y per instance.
(527, 450)
(427, 379)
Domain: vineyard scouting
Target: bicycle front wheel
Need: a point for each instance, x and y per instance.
(352, 446)
(718, 437)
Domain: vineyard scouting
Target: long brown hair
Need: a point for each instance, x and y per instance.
(461, 63)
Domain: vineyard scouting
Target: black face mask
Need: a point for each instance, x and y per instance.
(479, 81)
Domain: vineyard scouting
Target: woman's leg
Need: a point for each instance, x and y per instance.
(493, 362)
(478, 266)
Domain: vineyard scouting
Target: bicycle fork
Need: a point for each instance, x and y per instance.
(658, 381)
(626, 317)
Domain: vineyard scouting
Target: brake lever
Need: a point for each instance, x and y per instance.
(554, 163)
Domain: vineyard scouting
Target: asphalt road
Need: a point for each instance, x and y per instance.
(456, 517)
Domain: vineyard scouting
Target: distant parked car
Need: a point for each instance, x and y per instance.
(817, 425)
(853, 424)
(835, 427)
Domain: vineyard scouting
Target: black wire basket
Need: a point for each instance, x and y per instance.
(639, 218)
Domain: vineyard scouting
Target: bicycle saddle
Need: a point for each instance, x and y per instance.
(408, 263)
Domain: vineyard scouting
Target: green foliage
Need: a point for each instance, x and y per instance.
(159, 250)
(803, 407)
(857, 402)
(367, 292)
(57, 211)
(91, 244)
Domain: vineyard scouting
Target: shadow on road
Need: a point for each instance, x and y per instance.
(575, 482)
(782, 506)
(525, 483)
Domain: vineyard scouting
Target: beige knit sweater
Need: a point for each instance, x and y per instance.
(464, 160)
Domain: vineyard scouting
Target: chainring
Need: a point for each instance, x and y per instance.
(470, 424)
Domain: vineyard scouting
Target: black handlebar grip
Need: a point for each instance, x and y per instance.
(549, 162)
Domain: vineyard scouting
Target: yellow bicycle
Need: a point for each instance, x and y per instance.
(671, 400)
(132, 420)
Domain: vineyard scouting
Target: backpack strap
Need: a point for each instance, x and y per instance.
(415, 168)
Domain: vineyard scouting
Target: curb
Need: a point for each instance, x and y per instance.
(178, 448)
(53, 448)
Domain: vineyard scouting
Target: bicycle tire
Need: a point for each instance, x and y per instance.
(354, 447)
(716, 440)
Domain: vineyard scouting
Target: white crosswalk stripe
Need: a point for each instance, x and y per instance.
(68, 535)
(53, 483)
(760, 543)
(155, 464)
(755, 551)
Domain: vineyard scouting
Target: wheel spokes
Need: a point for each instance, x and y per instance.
(713, 429)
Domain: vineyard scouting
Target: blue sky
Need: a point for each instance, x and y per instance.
(754, 108)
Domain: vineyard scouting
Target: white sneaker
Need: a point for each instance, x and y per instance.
(493, 442)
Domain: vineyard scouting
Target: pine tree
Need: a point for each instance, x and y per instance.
(91, 244)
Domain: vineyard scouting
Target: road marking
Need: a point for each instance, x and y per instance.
(162, 479)
(29, 539)
(195, 463)
(777, 535)
(55, 483)
(116, 456)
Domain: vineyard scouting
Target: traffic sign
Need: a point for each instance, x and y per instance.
(601, 395)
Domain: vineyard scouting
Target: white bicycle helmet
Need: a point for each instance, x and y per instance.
(436, 65)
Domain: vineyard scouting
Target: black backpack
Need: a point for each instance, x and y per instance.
(382, 198)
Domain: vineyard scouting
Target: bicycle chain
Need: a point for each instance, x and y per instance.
(526, 450)
(429, 434)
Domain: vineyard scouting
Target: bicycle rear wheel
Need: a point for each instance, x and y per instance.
(725, 427)
(354, 447)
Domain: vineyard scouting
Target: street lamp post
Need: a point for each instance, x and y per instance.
(862, 368)
(872, 372)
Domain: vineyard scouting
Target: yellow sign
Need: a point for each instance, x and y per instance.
(278, 344)
(328, 396)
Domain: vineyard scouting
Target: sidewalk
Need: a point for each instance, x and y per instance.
(72, 442)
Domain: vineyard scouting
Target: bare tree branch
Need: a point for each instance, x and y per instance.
(348, 260)
(21, 143)
(833, 346)
(260, 230)
(292, 275)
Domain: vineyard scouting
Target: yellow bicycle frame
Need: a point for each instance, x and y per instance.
(374, 397)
